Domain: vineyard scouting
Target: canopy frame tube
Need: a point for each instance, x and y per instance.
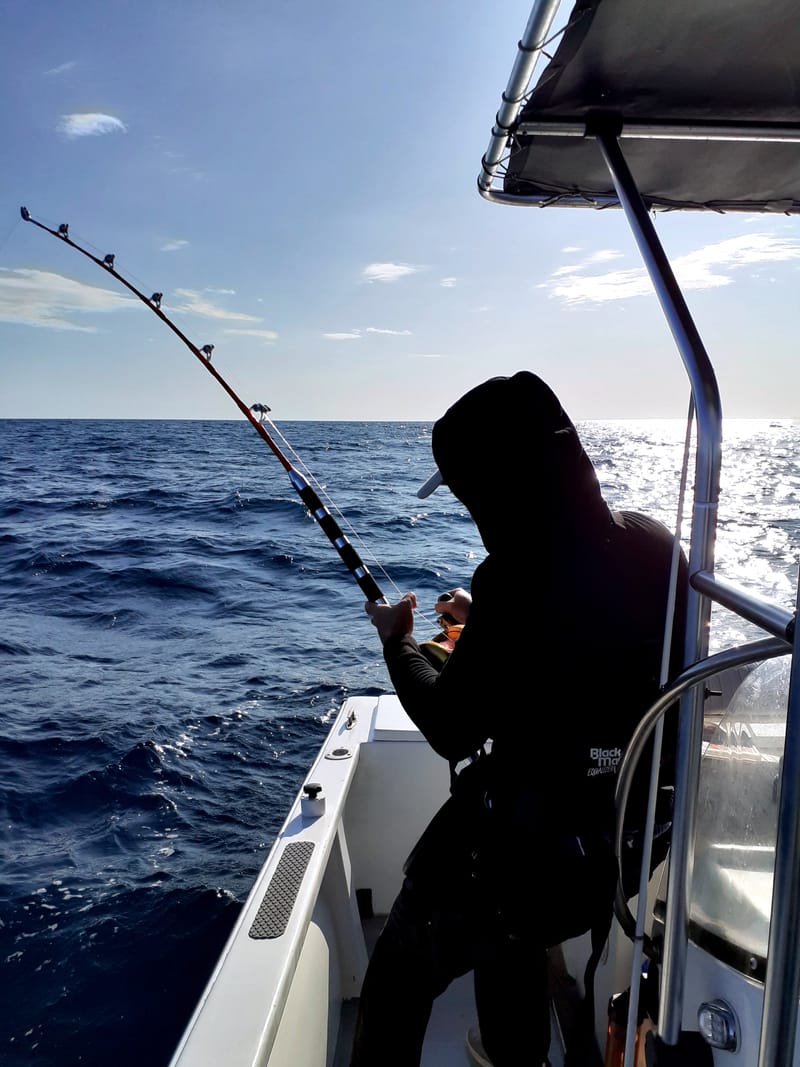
(782, 980)
(779, 1019)
(529, 49)
(708, 410)
(667, 131)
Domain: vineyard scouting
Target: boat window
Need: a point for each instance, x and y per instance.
(737, 816)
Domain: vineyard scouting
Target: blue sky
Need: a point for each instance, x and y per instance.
(299, 180)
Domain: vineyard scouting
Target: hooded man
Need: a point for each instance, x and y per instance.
(559, 659)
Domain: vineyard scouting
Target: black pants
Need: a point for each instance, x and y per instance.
(421, 950)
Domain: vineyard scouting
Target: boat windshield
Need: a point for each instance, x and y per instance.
(737, 817)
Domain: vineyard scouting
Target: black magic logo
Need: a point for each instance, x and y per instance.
(604, 760)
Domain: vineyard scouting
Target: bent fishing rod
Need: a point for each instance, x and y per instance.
(255, 415)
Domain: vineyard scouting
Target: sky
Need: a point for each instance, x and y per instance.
(299, 181)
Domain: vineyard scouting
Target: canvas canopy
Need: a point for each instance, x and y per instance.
(705, 96)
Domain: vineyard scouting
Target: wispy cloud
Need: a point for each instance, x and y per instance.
(573, 287)
(356, 334)
(428, 355)
(387, 272)
(267, 336)
(710, 267)
(605, 255)
(697, 269)
(174, 246)
(186, 171)
(448, 283)
(91, 124)
(61, 69)
(41, 298)
(197, 304)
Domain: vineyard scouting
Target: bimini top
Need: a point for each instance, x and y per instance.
(704, 94)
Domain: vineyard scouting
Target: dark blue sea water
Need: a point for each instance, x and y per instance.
(177, 633)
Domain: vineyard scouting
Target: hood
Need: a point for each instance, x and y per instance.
(507, 449)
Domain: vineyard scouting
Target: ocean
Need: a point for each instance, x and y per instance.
(177, 635)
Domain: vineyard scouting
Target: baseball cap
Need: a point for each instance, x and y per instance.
(432, 483)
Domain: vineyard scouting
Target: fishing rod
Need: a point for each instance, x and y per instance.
(255, 415)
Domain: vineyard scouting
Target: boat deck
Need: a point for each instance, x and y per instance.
(453, 1015)
(285, 990)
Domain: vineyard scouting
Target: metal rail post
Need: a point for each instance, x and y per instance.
(701, 557)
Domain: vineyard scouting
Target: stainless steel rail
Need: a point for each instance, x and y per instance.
(776, 621)
(782, 985)
(529, 49)
(666, 131)
(782, 980)
(701, 558)
(754, 652)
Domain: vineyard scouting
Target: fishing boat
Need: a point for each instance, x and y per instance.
(639, 108)
(636, 108)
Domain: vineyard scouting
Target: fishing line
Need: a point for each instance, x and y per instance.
(323, 492)
(256, 414)
(11, 230)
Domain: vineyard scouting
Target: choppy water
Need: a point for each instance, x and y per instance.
(176, 635)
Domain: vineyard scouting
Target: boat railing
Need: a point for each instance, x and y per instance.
(742, 655)
(783, 968)
(763, 613)
(779, 1018)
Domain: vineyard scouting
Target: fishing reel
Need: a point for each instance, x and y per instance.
(438, 648)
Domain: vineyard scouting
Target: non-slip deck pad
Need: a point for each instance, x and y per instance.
(276, 906)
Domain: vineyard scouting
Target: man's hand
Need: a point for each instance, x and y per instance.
(393, 619)
(455, 603)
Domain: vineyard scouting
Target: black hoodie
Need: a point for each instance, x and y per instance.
(561, 654)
